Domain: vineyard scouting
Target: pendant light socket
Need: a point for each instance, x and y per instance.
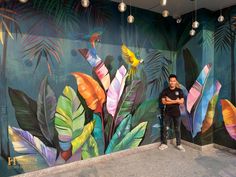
(163, 2)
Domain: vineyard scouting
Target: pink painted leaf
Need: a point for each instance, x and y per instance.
(115, 90)
(98, 65)
(196, 90)
(185, 116)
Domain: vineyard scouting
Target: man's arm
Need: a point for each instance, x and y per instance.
(168, 101)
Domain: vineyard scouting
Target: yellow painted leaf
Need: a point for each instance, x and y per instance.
(82, 138)
(1, 33)
(208, 121)
(8, 30)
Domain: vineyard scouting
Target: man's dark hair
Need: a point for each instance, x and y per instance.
(173, 76)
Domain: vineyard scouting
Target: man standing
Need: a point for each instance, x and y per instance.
(172, 97)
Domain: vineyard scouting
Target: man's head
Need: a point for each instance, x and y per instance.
(173, 81)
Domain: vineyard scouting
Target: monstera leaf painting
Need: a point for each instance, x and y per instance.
(229, 115)
(26, 144)
(69, 123)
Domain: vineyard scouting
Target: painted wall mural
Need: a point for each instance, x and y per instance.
(77, 83)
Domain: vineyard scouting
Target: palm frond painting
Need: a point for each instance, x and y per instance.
(40, 48)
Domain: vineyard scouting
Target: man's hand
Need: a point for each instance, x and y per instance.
(168, 99)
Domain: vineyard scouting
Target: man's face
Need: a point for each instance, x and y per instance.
(172, 82)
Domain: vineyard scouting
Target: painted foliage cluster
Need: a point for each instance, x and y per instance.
(77, 83)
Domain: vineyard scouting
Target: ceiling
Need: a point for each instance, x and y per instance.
(180, 7)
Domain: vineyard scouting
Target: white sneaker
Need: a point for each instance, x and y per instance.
(163, 147)
(181, 148)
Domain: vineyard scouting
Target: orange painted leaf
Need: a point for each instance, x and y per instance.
(91, 91)
(229, 115)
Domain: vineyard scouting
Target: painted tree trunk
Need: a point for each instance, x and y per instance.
(4, 139)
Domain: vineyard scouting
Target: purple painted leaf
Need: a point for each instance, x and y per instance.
(196, 90)
(46, 104)
(115, 90)
(25, 143)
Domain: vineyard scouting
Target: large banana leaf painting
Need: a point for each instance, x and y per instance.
(200, 103)
(56, 131)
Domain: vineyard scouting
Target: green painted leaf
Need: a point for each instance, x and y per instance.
(80, 140)
(98, 133)
(69, 118)
(90, 148)
(133, 138)
(46, 104)
(145, 111)
(122, 130)
(26, 114)
(126, 105)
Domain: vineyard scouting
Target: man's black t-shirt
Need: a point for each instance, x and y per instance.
(173, 109)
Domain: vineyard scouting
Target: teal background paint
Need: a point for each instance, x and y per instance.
(151, 33)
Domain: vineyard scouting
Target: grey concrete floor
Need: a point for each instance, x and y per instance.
(152, 163)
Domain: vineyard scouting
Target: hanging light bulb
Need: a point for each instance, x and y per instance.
(130, 19)
(85, 3)
(122, 6)
(165, 13)
(163, 2)
(221, 18)
(23, 1)
(192, 32)
(195, 24)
